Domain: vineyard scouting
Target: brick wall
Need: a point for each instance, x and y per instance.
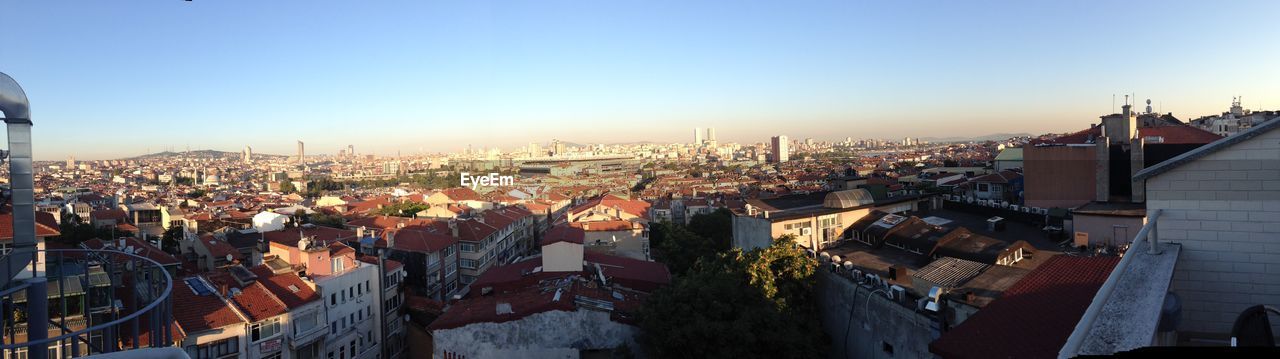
(1225, 210)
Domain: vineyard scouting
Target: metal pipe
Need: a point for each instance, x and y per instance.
(37, 318)
(17, 117)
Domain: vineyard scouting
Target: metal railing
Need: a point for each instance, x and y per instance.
(103, 300)
(1078, 336)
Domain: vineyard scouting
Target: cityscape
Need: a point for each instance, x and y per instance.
(233, 197)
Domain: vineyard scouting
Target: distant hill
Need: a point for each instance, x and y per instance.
(991, 137)
(195, 153)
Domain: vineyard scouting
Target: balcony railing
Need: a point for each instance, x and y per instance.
(1126, 310)
(128, 293)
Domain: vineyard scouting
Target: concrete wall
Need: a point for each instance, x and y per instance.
(1102, 229)
(751, 232)
(541, 335)
(1224, 209)
(844, 308)
(562, 257)
(631, 243)
(1059, 176)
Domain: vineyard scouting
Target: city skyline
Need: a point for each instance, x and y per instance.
(440, 77)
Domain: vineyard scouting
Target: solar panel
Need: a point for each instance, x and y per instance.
(198, 286)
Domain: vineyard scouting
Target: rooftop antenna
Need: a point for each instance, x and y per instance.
(1113, 103)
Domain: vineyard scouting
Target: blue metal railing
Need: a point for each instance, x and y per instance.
(87, 284)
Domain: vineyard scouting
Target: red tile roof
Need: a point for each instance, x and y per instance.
(218, 248)
(46, 226)
(1171, 134)
(1033, 318)
(197, 313)
(288, 287)
(525, 295)
(563, 233)
(603, 226)
(257, 302)
(418, 239)
(321, 234)
(391, 264)
(461, 194)
(998, 177)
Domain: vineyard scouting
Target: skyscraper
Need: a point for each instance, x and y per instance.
(71, 162)
(780, 148)
(300, 152)
(351, 150)
(248, 154)
(711, 133)
(697, 135)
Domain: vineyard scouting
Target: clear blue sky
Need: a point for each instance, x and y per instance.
(112, 79)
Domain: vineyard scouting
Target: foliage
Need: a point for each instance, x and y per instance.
(681, 247)
(72, 232)
(169, 242)
(403, 209)
(757, 303)
(327, 220)
(197, 193)
(287, 187)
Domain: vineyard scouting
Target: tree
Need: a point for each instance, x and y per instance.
(287, 187)
(169, 242)
(757, 303)
(334, 221)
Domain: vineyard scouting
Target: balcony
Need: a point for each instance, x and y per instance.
(98, 301)
(1125, 313)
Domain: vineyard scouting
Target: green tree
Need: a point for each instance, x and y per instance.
(757, 303)
(287, 187)
(334, 221)
(169, 242)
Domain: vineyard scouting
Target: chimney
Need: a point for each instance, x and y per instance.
(1102, 169)
(391, 239)
(1136, 158)
(586, 226)
(453, 227)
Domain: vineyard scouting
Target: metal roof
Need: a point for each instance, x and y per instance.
(948, 272)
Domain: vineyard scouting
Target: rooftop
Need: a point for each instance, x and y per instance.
(1056, 295)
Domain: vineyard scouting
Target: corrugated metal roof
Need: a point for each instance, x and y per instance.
(950, 272)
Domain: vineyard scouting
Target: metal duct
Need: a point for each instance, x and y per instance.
(17, 117)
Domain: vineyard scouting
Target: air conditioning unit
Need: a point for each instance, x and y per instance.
(898, 293)
(806, 231)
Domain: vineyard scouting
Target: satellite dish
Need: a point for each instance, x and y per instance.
(229, 257)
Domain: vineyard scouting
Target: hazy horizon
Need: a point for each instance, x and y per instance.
(112, 80)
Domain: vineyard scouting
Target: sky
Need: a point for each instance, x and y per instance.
(117, 79)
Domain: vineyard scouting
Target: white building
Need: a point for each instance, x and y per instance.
(269, 221)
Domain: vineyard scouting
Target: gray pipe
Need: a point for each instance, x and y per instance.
(17, 117)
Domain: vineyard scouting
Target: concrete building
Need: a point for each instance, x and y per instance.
(1009, 158)
(817, 220)
(1096, 164)
(779, 149)
(509, 314)
(1221, 203)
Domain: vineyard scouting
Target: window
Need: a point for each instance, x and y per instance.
(333, 329)
(333, 299)
(469, 264)
(305, 322)
(359, 291)
(216, 349)
(368, 310)
(366, 285)
(330, 355)
(353, 348)
(264, 329)
(338, 266)
(984, 187)
(468, 247)
(888, 348)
